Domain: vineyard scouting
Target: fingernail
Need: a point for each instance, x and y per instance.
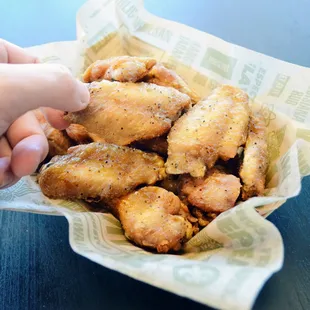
(84, 93)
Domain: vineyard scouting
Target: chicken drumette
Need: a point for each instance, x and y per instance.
(121, 68)
(154, 218)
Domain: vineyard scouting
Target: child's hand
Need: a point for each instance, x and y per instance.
(26, 85)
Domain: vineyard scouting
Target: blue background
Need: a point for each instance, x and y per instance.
(277, 28)
(38, 269)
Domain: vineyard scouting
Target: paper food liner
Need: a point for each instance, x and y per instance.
(228, 262)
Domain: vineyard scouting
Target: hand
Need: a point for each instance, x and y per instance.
(26, 85)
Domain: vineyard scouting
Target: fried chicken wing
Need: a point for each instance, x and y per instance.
(97, 171)
(207, 132)
(255, 160)
(237, 131)
(151, 217)
(122, 69)
(203, 218)
(122, 113)
(80, 135)
(216, 192)
(163, 76)
(58, 141)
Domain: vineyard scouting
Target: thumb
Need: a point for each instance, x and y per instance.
(25, 87)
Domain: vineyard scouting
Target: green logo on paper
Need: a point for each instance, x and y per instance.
(219, 63)
(278, 85)
(114, 230)
(271, 173)
(157, 32)
(294, 97)
(268, 113)
(22, 188)
(303, 161)
(275, 140)
(303, 105)
(73, 205)
(101, 38)
(196, 275)
(303, 134)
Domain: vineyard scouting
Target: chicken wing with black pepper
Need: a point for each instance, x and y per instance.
(98, 171)
(153, 218)
(122, 113)
(212, 129)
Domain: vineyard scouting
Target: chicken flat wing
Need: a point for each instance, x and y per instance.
(208, 131)
(58, 141)
(151, 217)
(122, 69)
(216, 192)
(122, 113)
(97, 171)
(255, 160)
(163, 76)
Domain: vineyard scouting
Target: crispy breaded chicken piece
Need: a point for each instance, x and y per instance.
(163, 76)
(152, 217)
(80, 135)
(203, 218)
(237, 130)
(216, 192)
(122, 113)
(58, 141)
(255, 161)
(207, 132)
(121, 68)
(98, 171)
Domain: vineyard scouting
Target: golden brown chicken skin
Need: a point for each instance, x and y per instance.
(163, 76)
(80, 135)
(237, 129)
(203, 218)
(255, 161)
(97, 171)
(216, 192)
(214, 128)
(121, 68)
(122, 113)
(58, 141)
(151, 217)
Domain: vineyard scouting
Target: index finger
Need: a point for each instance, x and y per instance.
(11, 53)
(28, 87)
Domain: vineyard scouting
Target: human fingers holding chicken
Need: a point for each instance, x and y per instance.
(26, 85)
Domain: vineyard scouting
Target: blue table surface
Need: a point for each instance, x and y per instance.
(37, 267)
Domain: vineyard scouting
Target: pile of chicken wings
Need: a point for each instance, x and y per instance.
(161, 159)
